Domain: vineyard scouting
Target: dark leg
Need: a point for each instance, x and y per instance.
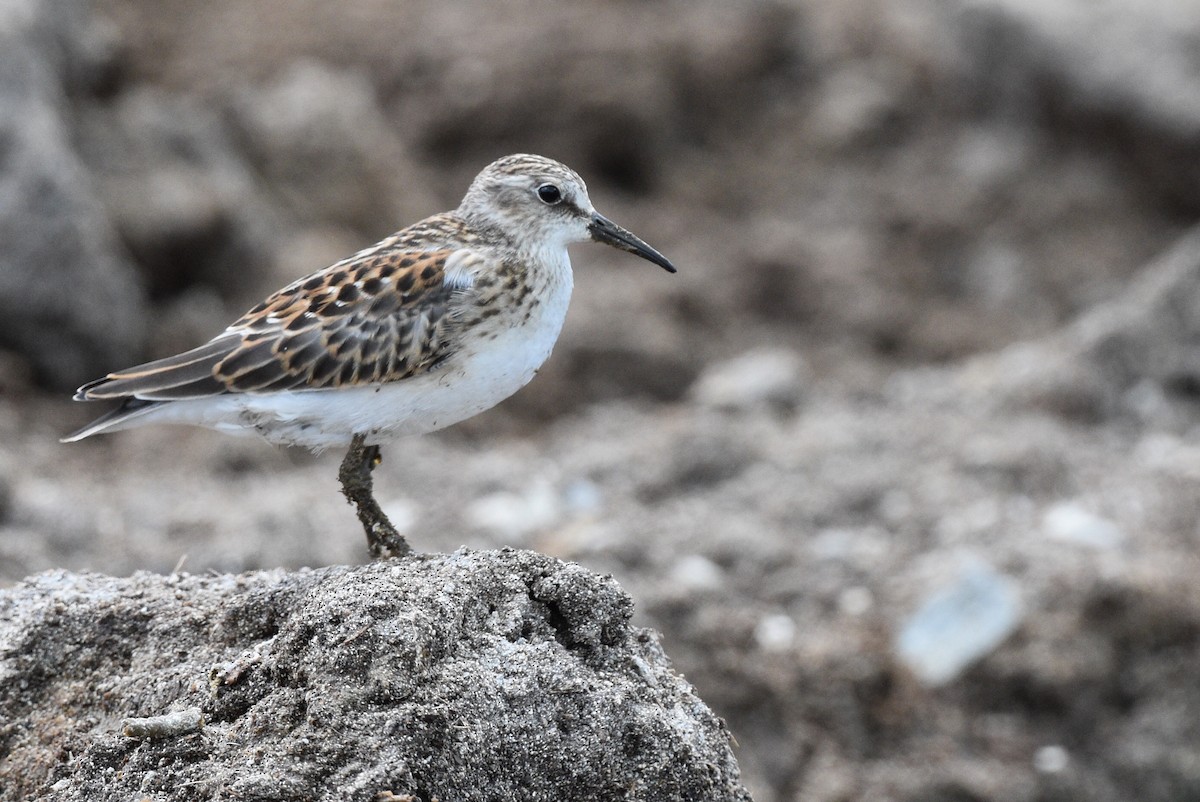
(355, 476)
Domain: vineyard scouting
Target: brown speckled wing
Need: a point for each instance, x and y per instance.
(381, 316)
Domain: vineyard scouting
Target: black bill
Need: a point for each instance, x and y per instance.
(608, 232)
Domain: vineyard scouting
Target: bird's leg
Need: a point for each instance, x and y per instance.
(355, 476)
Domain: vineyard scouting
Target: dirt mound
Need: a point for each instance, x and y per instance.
(501, 675)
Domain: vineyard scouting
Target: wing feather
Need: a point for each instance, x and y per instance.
(194, 367)
(385, 315)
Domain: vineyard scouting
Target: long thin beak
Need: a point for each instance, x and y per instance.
(608, 232)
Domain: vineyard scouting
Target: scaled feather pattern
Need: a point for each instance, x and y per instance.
(382, 315)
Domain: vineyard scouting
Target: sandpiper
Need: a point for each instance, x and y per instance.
(432, 325)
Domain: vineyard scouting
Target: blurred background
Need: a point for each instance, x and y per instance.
(902, 464)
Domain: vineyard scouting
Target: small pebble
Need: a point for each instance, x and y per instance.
(775, 633)
(403, 513)
(1051, 759)
(583, 497)
(1070, 522)
(515, 516)
(959, 624)
(856, 601)
(168, 725)
(696, 572)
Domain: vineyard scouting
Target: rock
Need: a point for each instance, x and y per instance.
(1070, 522)
(1111, 358)
(517, 515)
(476, 675)
(660, 78)
(186, 201)
(320, 140)
(1051, 759)
(69, 300)
(695, 572)
(609, 369)
(81, 48)
(958, 624)
(762, 378)
(699, 460)
(1127, 77)
(775, 633)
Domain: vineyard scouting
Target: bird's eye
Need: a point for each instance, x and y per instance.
(549, 194)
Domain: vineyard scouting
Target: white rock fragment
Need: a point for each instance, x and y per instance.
(515, 516)
(775, 633)
(1051, 759)
(754, 379)
(583, 497)
(697, 572)
(959, 624)
(1069, 522)
(403, 513)
(168, 725)
(856, 601)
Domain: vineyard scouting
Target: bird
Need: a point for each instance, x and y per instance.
(428, 327)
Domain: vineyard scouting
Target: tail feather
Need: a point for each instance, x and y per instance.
(119, 418)
(186, 375)
(147, 387)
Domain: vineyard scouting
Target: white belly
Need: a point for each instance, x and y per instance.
(470, 384)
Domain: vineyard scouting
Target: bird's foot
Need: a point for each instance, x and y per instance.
(355, 475)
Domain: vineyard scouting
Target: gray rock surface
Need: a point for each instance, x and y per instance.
(69, 301)
(1123, 75)
(321, 141)
(1132, 356)
(472, 676)
(183, 198)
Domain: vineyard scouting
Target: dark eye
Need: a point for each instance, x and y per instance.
(549, 194)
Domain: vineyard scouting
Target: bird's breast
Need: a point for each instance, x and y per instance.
(500, 348)
(511, 330)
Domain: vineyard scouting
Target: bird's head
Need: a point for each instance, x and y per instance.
(534, 199)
